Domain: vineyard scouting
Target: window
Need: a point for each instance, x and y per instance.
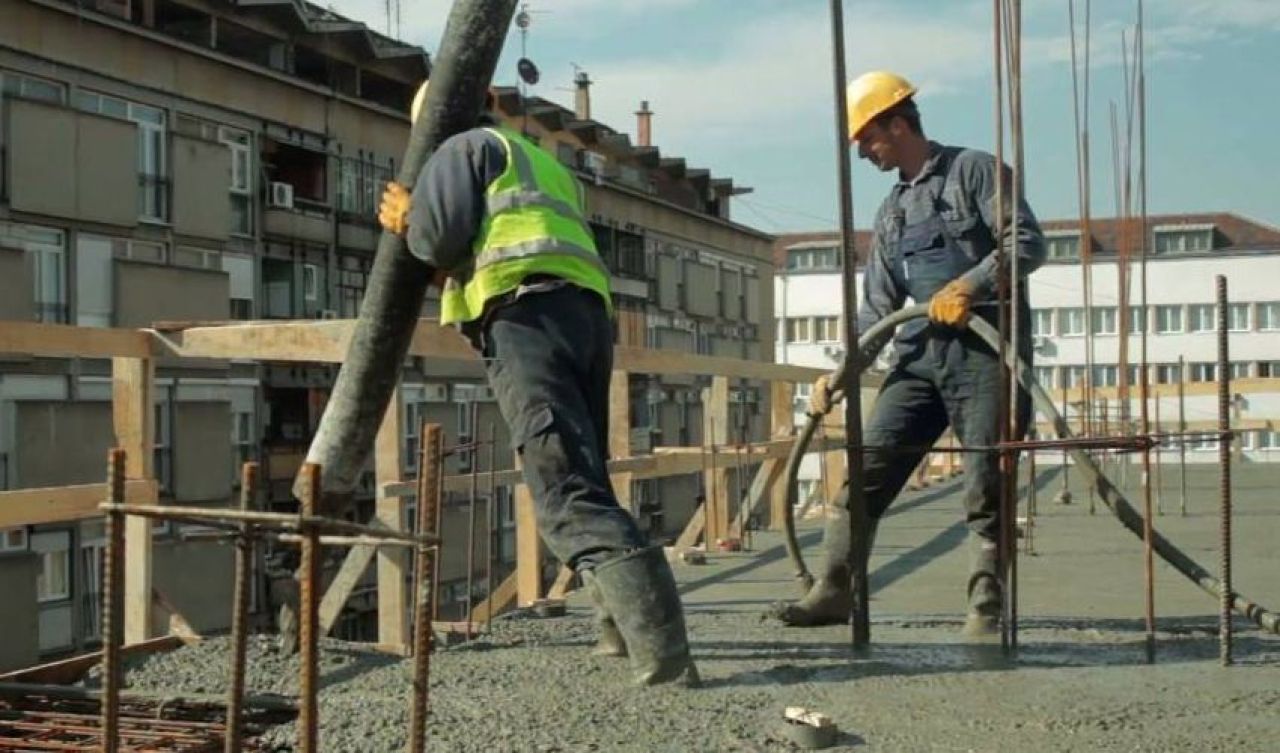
(1137, 319)
(13, 540)
(825, 259)
(1071, 322)
(1072, 376)
(1044, 376)
(360, 184)
(92, 557)
(1168, 320)
(1267, 440)
(29, 87)
(1135, 374)
(242, 442)
(412, 435)
(466, 433)
(197, 258)
(1042, 322)
(1063, 246)
(1104, 320)
(163, 453)
(1239, 369)
(1239, 317)
(153, 183)
(1168, 373)
(46, 247)
(240, 145)
(239, 271)
(310, 283)
(1105, 376)
(827, 329)
(1182, 240)
(1269, 316)
(1201, 317)
(353, 272)
(153, 253)
(1269, 369)
(1202, 372)
(53, 581)
(799, 330)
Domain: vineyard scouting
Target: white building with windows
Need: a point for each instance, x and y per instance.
(1188, 252)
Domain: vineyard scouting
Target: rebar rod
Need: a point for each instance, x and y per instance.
(240, 612)
(859, 522)
(309, 616)
(282, 521)
(1224, 473)
(471, 517)
(113, 604)
(1182, 428)
(490, 512)
(429, 487)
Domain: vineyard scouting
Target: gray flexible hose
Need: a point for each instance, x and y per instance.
(856, 362)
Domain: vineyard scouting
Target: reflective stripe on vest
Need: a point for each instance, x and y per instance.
(528, 195)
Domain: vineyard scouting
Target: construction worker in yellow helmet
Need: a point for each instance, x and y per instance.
(501, 224)
(934, 242)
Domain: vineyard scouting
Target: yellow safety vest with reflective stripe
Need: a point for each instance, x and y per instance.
(533, 224)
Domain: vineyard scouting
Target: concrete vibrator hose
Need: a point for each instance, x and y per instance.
(870, 343)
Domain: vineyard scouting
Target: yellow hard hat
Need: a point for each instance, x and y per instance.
(872, 93)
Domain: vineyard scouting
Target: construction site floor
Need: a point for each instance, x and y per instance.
(1078, 682)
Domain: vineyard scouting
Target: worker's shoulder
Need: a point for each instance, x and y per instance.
(472, 140)
(968, 158)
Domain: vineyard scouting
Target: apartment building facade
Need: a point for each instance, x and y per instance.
(171, 161)
(1186, 253)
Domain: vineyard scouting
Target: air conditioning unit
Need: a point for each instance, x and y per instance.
(281, 195)
(1039, 342)
(833, 351)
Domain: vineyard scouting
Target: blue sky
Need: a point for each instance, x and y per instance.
(743, 87)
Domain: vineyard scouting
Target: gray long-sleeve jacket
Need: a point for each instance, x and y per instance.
(965, 197)
(448, 202)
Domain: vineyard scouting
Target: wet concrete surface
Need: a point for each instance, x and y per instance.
(1079, 680)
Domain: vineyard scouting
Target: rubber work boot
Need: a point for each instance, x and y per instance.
(610, 642)
(983, 618)
(638, 591)
(830, 599)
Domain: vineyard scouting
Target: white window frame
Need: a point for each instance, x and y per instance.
(240, 145)
(1202, 317)
(1269, 316)
(1202, 371)
(1062, 245)
(1237, 323)
(1160, 325)
(48, 557)
(1042, 322)
(1104, 315)
(1137, 319)
(14, 539)
(827, 329)
(310, 282)
(153, 162)
(1071, 322)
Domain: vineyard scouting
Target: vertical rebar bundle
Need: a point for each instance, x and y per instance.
(430, 480)
(471, 511)
(309, 615)
(491, 511)
(240, 612)
(1224, 472)
(113, 605)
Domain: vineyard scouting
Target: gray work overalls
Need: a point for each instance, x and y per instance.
(943, 377)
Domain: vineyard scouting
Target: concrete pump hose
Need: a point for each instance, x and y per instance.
(1111, 496)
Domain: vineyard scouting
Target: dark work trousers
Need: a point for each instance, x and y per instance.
(953, 379)
(549, 356)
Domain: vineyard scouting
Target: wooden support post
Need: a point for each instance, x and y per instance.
(393, 562)
(620, 434)
(715, 416)
(782, 424)
(528, 549)
(133, 417)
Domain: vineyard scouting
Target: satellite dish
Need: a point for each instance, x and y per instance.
(523, 19)
(528, 71)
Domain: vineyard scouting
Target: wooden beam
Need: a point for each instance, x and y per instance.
(1248, 386)
(715, 433)
(693, 529)
(73, 669)
(765, 480)
(61, 504)
(133, 417)
(528, 548)
(560, 588)
(393, 562)
(312, 341)
(619, 446)
(782, 423)
(497, 601)
(335, 598)
(179, 625)
(30, 338)
(676, 362)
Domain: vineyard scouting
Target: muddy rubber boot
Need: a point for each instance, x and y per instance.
(830, 599)
(983, 618)
(610, 642)
(638, 590)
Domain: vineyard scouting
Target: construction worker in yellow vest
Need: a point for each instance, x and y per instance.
(501, 222)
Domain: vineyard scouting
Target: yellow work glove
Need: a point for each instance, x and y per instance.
(950, 305)
(393, 213)
(822, 397)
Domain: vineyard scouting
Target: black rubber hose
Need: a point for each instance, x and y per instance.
(855, 363)
(398, 281)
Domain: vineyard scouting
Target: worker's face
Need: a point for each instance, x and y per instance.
(878, 144)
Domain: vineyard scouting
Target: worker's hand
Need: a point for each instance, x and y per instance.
(950, 305)
(393, 213)
(822, 397)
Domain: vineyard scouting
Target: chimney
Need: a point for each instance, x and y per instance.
(644, 124)
(582, 95)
